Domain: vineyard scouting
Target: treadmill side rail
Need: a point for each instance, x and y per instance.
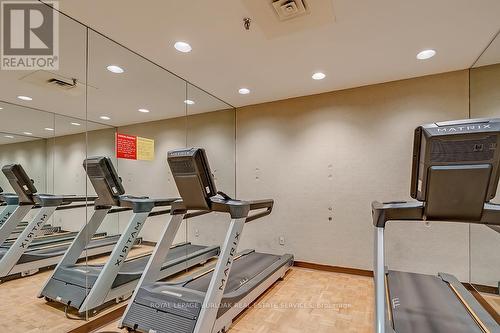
(158, 257)
(79, 244)
(382, 323)
(11, 216)
(98, 292)
(215, 292)
(482, 317)
(32, 230)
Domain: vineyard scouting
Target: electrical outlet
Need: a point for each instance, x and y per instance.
(282, 240)
(196, 233)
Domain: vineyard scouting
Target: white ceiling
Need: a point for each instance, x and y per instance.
(118, 96)
(18, 121)
(491, 55)
(355, 42)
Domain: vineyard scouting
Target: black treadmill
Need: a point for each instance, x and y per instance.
(12, 199)
(88, 287)
(455, 175)
(30, 251)
(207, 302)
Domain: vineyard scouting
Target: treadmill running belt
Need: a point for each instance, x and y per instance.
(40, 242)
(85, 276)
(243, 270)
(424, 303)
(59, 250)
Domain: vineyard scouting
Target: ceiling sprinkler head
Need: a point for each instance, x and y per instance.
(246, 23)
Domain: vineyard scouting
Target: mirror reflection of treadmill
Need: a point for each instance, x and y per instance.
(26, 247)
(207, 302)
(89, 287)
(455, 175)
(13, 200)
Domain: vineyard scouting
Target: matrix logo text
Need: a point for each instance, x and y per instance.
(30, 35)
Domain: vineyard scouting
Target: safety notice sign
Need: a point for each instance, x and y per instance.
(133, 147)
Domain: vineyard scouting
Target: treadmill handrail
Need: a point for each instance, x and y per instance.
(9, 198)
(144, 204)
(46, 200)
(237, 208)
(414, 211)
(266, 204)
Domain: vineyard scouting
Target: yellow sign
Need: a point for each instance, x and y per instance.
(145, 149)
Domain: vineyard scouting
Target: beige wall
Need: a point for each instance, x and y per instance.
(485, 91)
(33, 156)
(331, 155)
(35, 159)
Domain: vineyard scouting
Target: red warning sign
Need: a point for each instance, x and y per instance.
(126, 146)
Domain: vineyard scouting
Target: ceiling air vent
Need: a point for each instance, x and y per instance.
(56, 82)
(61, 83)
(289, 9)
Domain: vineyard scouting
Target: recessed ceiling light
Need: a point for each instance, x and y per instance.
(27, 133)
(48, 129)
(104, 117)
(189, 102)
(25, 98)
(183, 47)
(1, 108)
(244, 91)
(9, 136)
(75, 124)
(426, 54)
(143, 110)
(318, 76)
(115, 69)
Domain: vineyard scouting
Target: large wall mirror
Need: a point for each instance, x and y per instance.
(104, 99)
(484, 241)
(43, 130)
(211, 125)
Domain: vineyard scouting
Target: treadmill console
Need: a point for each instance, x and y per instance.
(193, 177)
(105, 179)
(456, 167)
(20, 182)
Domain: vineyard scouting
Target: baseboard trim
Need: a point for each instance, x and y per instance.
(334, 269)
(485, 289)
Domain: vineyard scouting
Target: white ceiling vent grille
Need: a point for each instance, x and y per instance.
(52, 81)
(289, 9)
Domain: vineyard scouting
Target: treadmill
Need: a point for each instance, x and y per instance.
(455, 175)
(88, 287)
(13, 200)
(211, 300)
(18, 205)
(2, 203)
(29, 252)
